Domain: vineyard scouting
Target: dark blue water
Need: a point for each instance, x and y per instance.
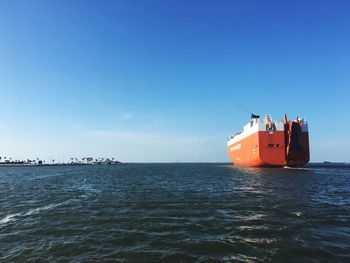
(174, 213)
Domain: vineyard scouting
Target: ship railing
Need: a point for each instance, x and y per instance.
(234, 135)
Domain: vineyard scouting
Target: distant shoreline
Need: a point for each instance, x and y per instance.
(56, 164)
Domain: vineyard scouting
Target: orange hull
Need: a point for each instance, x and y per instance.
(256, 146)
(259, 149)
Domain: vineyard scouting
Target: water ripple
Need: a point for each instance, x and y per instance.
(174, 213)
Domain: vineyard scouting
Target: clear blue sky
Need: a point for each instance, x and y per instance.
(169, 80)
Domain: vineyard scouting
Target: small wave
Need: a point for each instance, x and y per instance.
(298, 214)
(9, 218)
(253, 217)
(12, 217)
(50, 175)
(298, 168)
(247, 189)
(88, 189)
(44, 208)
(259, 240)
(43, 176)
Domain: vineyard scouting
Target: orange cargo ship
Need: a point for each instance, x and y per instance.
(264, 142)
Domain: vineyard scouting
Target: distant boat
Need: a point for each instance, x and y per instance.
(264, 142)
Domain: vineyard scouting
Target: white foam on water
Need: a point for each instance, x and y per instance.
(12, 217)
(298, 168)
(9, 218)
(44, 208)
(297, 213)
(88, 189)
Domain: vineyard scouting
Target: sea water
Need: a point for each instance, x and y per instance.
(174, 213)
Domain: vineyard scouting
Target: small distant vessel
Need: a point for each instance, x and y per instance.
(264, 142)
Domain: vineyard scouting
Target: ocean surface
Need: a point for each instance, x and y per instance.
(174, 213)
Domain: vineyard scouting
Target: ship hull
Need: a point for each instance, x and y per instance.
(259, 149)
(282, 144)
